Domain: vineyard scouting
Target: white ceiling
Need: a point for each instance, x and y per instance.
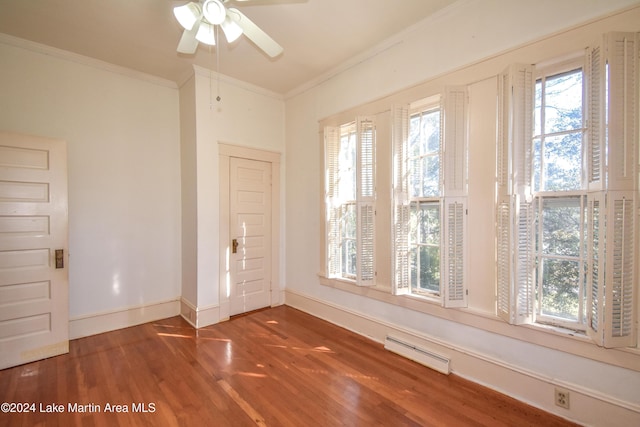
(317, 35)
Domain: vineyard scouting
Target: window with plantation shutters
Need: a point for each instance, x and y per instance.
(567, 243)
(350, 201)
(429, 188)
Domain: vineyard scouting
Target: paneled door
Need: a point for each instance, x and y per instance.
(34, 301)
(250, 229)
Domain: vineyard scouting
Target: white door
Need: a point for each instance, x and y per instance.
(34, 306)
(250, 228)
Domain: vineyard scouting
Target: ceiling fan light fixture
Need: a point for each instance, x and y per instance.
(205, 34)
(188, 14)
(214, 11)
(231, 30)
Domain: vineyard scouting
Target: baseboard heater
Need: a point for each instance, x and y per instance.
(421, 355)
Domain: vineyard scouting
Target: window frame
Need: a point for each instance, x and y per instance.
(425, 107)
(544, 73)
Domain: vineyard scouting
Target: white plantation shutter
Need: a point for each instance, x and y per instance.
(515, 265)
(503, 210)
(332, 206)
(622, 137)
(365, 198)
(365, 245)
(619, 296)
(611, 202)
(514, 222)
(454, 274)
(400, 134)
(521, 128)
(524, 264)
(611, 295)
(595, 75)
(595, 265)
(454, 214)
(454, 115)
(504, 260)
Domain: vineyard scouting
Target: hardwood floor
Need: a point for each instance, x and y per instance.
(275, 367)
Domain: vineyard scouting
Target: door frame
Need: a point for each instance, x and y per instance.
(225, 153)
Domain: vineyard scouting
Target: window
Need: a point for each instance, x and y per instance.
(346, 178)
(425, 190)
(350, 200)
(559, 191)
(566, 241)
(430, 140)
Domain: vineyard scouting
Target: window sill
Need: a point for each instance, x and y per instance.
(560, 331)
(554, 337)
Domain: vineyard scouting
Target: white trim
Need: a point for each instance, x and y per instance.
(189, 312)
(277, 297)
(542, 335)
(225, 152)
(208, 316)
(84, 60)
(247, 152)
(376, 50)
(199, 317)
(97, 323)
(588, 406)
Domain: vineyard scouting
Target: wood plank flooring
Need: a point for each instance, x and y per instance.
(275, 367)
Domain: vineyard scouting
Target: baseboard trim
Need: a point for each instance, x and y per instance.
(588, 406)
(97, 323)
(199, 317)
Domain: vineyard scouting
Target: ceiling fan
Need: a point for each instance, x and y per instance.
(200, 18)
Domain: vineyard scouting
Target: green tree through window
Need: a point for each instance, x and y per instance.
(559, 197)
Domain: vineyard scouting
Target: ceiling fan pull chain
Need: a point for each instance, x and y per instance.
(218, 68)
(211, 82)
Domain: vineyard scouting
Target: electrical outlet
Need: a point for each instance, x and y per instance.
(562, 398)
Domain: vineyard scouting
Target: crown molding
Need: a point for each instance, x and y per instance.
(385, 45)
(206, 72)
(83, 60)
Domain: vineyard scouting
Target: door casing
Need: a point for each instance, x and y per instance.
(225, 153)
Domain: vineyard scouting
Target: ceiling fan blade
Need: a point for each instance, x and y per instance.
(254, 33)
(188, 42)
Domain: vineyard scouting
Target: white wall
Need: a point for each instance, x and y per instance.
(143, 208)
(122, 131)
(466, 44)
(245, 116)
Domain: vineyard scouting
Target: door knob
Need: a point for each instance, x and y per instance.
(234, 246)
